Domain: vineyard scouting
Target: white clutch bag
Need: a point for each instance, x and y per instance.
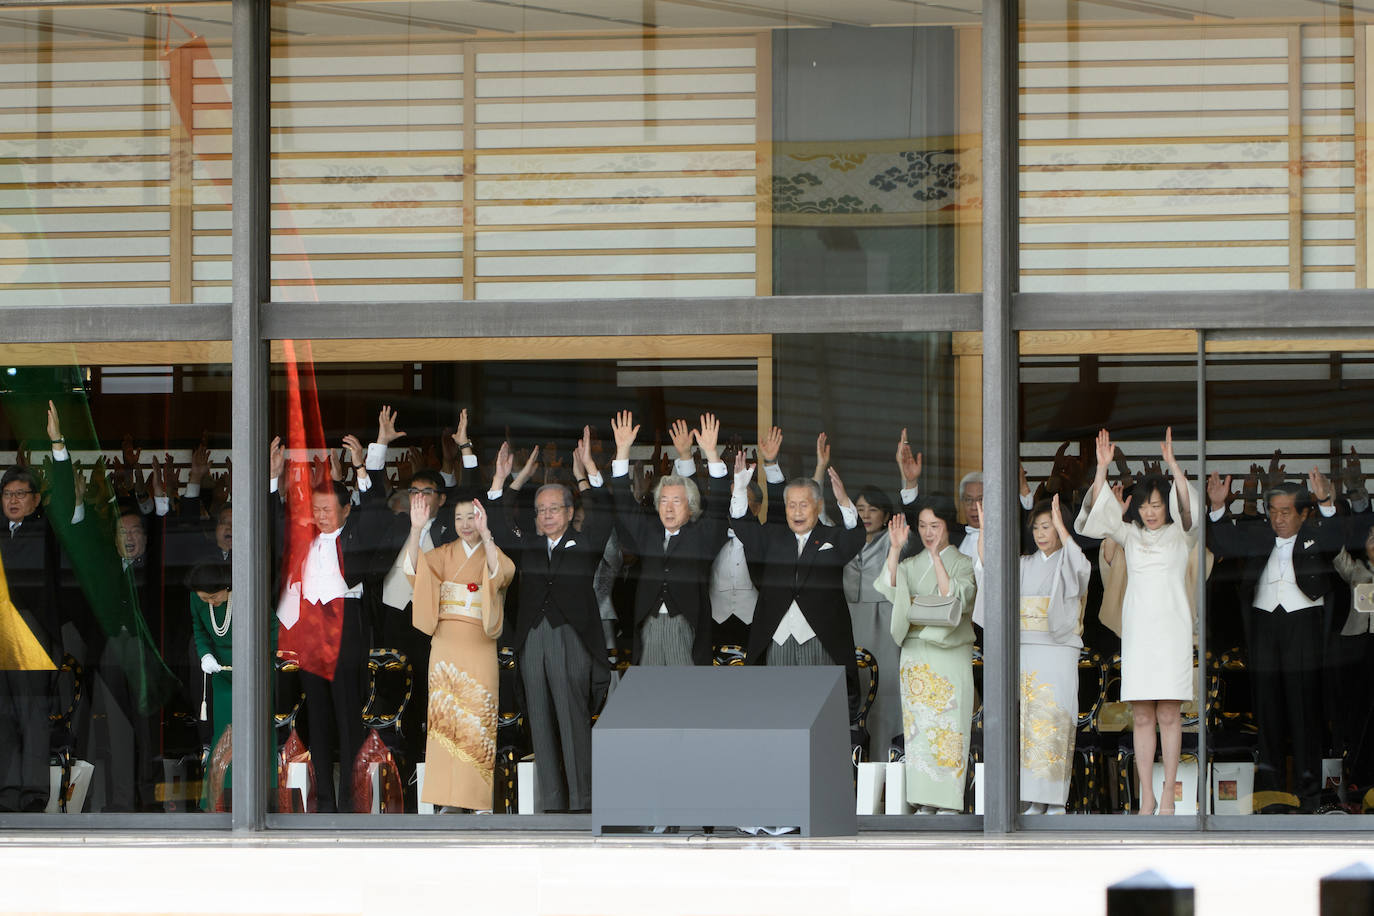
(933, 611)
(1364, 598)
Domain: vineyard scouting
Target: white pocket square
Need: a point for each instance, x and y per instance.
(1307, 544)
(570, 544)
(827, 546)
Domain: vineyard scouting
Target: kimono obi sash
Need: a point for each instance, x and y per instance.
(456, 600)
(1035, 613)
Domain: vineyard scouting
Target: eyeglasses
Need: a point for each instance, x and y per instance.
(16, 495)
(551, 510)
(427, 491)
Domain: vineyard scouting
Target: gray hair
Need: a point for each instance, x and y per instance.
(970, 477)
(688, 484)
(807, 483)
(567, 494)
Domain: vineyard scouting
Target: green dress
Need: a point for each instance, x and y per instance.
(206, 624)
(936, 680)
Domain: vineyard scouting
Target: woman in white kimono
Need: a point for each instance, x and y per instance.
(1158, 533)
(871, 616)
(936, 668)
(1054, 585)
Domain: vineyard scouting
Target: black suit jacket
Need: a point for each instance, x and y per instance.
(1251, 540)
(814, 580)
(679, 577)
(557, 588)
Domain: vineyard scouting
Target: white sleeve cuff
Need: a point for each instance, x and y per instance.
(773, 473)
(192, 490)
(163, 504)
(620, 467)
(450, 480)
(364, 481)
(145, 506)
(595, 480)
(684, 467)
(272, 485)
(79, 514)
(1359, 504)
(1326, 510)
(59, 453)
(1027, 500)
(739, 494)
(376, 456)
(909, 495)
(493, 494)
(850, 514)
(717, 469)
(1215, 515)
(469, 461)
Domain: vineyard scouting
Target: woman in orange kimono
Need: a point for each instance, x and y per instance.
(460, 591)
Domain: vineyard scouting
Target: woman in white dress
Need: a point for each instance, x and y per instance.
(1054, 584)
(1157, 532)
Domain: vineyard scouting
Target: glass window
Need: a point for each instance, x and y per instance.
(115, 138)
(1207, 148)
(506, 151)
(1107, 573)
(1288, 625)
(115, 602)
(437, 685)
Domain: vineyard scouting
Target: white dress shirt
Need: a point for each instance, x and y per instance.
(1278, 585)
(397, 589)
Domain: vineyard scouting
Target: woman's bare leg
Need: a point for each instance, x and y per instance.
(1169, 715)
(1143, 712)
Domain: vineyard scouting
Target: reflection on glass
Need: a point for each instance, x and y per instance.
(514, 151)
(516, 533)
(1289, 525)
(115, 139)
(1107, 619)
(111, 653)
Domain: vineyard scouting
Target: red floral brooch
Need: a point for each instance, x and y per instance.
(473, 587)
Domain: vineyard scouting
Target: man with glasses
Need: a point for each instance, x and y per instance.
(558, 636)
(30, 645)
(970, 495)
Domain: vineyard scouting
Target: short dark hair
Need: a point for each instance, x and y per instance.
(1302, 497)
(876, 498)
(1146, 487)
(21, 474)
(430, 475)
(339, 490)
(209, 577)
(1044, 507)
(942, 506)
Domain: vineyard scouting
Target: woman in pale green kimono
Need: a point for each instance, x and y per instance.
(936, 668)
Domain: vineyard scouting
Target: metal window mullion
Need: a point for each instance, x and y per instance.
(251, 283)
(1204, 775)
(1000, 517)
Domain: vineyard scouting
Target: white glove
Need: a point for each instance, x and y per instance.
(209, 665)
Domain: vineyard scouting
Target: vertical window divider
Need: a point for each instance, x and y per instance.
(1204, 774)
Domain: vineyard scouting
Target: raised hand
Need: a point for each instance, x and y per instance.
(837, 487)
(1351, 474)
(386, 426)
(527, 471)
(460, 436)
(822, 454)
(336, 468)
(501, 467)
(625, 431)
(1275, 475)
(578, 468)
(1219, 492)
(741, 463)
(54, 426)
(156, 476)
(908, 465)
(1318, 485)
(1104, 449)
(448, 450)
(419, 511)
(479, 520)
(771, 445)
(707, 435)
(585, 444)
(1056, 518)
(200, 462)
(1024, 480)
(1166, 449)
(356, 453)
(898, 532)
(1119, 491)
(132, 456)
(681, 434)
(1249, 488)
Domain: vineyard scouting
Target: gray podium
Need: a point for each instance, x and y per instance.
(752, 745)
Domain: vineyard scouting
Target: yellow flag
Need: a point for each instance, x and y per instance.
(20, 650)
